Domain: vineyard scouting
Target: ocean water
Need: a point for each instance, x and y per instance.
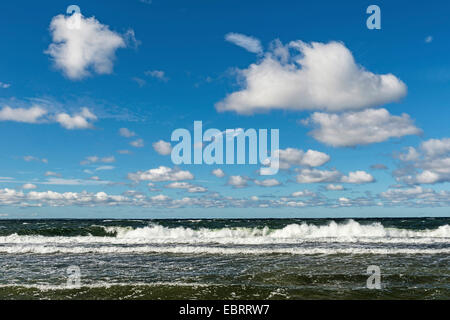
(224, 259)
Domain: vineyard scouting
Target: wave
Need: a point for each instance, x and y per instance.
(48, 249)
(350, 231)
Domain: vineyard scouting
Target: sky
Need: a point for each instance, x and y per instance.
(89, 101)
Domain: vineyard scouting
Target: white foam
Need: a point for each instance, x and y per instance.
(348, 232)
(49, 249)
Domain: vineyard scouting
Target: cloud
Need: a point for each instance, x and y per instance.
(139, 143)
(124, 132)
(186, 186)
(267, 182)
(103, 168)
(360, 128)
(52, 174)
(161, 174)
(33, 158)
(358, 177)
(321, 76)
(315, 176)
(429, 39)
(237, 181)
(250, 44)
(319, 176)
(31, 115)
(96, 159)
(303, 193)
(80, 120)
(4, 85)
(158, 74)
(218, 173)
(428, 165)
(162, 147)
(80, 49)
(292, 156)
(334, 187)
(28, 186)
(378, 166)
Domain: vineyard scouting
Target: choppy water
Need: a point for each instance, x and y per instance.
(225, 259)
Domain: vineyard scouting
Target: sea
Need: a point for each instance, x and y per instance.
(385, 258)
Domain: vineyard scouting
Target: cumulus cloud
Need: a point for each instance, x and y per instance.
(334, 187)
(127, 133)
(162, 147)
(161, 174)
(186, 186)
(358, 177)
(428, 165)
(4, 85)
(296, 157)
(267, 182)
(158, 74)
(360, 128)
(319, 176)
(81, 120)
(250, 44)
(80, 49)
(238, 181)
(33, 158)
(28, 186)
(303, 193)
(319, 76)
(96, 159)
(139, 143)
(218, 173)
(30, 115)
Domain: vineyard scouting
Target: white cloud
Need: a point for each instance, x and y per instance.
(80, 120)
(237, 181)
(429, 39)
(319, 176)
(303, 193)
(316, 176)
(334, 187)
(187, 186)
(218, 173)
(77, 51)
(360, 128)
(358, 177)
(292, 156)
(103, 168)
(52, 174)
(31, 115)
(321, 77)
(267, 182)
(428, 165)
(161, 174)
(124, 132)
(250, 44)
(96, 159)
(33, 158)
(162, 147)
(158, 74)
(139, 143)
(4, 85)
(28, 186)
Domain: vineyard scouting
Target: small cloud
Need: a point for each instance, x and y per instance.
(429, 39)
(124, 132)
(76, 121)
(378, 166)
(52, 174)
(139, 143)
(4, 85)
(250, 44)
(158, 74)
(32, 158)
(29, 186)
(218, 173)
(162, 147)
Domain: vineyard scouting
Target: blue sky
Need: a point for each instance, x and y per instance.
(372, 106)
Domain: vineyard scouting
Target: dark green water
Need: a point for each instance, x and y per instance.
(224, 259)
